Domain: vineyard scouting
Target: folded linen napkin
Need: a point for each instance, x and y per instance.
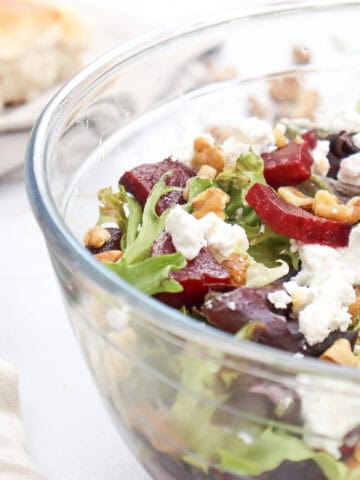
(14, 460)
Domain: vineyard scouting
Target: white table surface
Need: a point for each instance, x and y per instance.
(70, 435)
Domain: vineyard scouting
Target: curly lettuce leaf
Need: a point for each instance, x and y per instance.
(151, 225)
(151, 276)
(111, 209)
(148, 274)
(198, 185)
(258, 275)
(270, 449)
(268, 247)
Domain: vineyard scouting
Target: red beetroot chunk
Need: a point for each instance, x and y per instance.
(289, 165)
(286, 219)
(311, 138)
(200, 275)
(140, 180)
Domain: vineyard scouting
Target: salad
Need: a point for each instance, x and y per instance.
(257, 233)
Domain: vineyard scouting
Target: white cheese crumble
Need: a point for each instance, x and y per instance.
(327, 277)
(223, 237)
(321, 164)
(186, 233)
(348, 120)
(190, 235)
(233, 148)
(330, 409)
(279, 298)
(349, 171)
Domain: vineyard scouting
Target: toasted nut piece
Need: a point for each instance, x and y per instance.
(154, 425)
(212, 200)
(299, 140)
(257, 108)
(207, 172)
(96, 236)
(237, 264)
(295, 197)
(207, 154)
(186, 191)
(280, 139)
(220, 132)
(353, 206)
(230, 166)
(284, 88)
(301, 55)
(354, 308)
(306, 104)
(327, 205)
(110, 256)
(340, 352)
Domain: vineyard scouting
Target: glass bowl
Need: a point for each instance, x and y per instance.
(191, 401)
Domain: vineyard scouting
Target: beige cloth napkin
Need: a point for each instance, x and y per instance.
(14, 460)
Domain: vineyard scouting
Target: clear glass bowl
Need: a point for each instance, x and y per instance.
(181, 392)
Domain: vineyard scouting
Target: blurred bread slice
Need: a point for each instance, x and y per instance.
(40, 45)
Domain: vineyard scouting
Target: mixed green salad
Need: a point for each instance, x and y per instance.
(258, 235)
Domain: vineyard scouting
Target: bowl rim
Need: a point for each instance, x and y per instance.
(69, 250)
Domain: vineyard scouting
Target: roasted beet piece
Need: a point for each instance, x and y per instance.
(140, 180)
(200, 275)
(311, 138)
(320, 348)
(112, 244)
(341, 146)
(233, 310)
(286, 219)
(289, 165)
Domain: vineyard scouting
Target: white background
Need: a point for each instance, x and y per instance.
(70, 436)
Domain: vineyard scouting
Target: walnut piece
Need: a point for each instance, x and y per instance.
(110, 256)
(284, 89)
(280, 139)
(257, 108)
(354, 308)
(207, 172)
(213, 200)
(340, 352)
(207, 154)
(96, 237)
(295, 197)
(328, 206)
(301, 55)
(237, 264)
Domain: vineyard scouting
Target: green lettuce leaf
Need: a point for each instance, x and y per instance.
(151, 276)
(148, 274)
(198, 185)
(258, 275)
(270, 449)
(111, 209)
(269, 247)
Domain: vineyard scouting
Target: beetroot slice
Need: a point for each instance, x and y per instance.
(286, 219)
(140, 180)
(233, 310)
(311, 138)
(289, 165)
(200, 275)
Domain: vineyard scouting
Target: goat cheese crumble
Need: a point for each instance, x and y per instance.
(349, 171)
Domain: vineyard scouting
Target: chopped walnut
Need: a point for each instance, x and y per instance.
(340, 352)
(328, 206)
(220, 132)
(284, 89)
(110, 256)
(306, 104)
(212, 200)
(354, 308)
(295, 197)
(257, 108)
(301, 55)
(207, 154)
(237, 264)
(96, 237)
(207, 172)
(280, 139)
